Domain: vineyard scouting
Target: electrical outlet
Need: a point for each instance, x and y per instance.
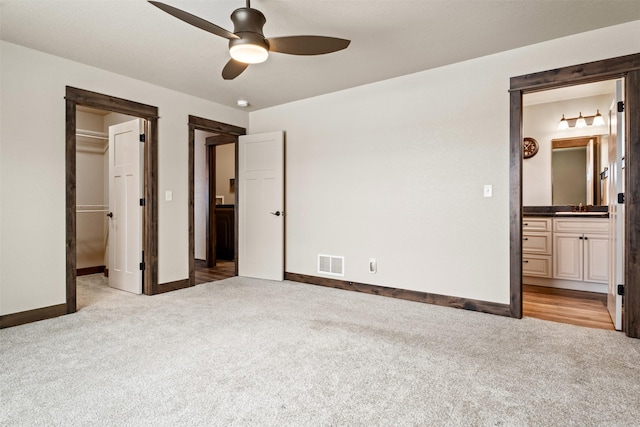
(168, 196)
(488, 190)
(373, 266)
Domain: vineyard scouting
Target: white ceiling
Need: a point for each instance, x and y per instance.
(390, 38)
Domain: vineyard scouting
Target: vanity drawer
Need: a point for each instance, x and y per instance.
(536, 224)
(582, 225)
(536, 265)
(537, 243)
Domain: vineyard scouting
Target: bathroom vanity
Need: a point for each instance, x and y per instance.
(565, 249)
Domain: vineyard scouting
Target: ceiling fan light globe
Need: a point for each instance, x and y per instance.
(249, 53)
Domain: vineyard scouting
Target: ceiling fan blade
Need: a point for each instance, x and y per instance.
(194, 20)
(307, 45)
(233, 69)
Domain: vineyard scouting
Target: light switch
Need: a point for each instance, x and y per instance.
(168, 196)
(488, 190)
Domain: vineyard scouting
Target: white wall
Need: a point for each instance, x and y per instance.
(32, 170)
(540, 122)
(225, 170)
(201, 192)
(395, 170)
(91, 227)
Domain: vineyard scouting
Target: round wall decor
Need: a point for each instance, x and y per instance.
(529, 147)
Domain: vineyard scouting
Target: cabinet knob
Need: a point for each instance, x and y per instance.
(525, 238)
(525, 224)
(580, 237)
(525, 261)
(586, 238)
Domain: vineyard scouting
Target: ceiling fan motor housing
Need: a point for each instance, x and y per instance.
(247, 24)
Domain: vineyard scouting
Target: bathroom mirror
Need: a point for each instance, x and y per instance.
(574, 166)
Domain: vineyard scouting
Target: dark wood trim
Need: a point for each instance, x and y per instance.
(221, 139)
(625, 66)
(632, 206)
(578, 74)
(16, 319)
(199, 123)
(70, 180)
(211, 207)
(73, 97)
(90, 270)
(515, 204)
(173, 286)
(214, 126)
(237, 209)
(427, 298)
(110, 103)
(191, 205)
(150, 213)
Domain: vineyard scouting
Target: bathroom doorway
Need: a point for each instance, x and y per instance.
(569, 171)
(213, 211)
(629, 68)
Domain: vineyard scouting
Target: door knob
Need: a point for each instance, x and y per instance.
(110, 214)
(276, 213)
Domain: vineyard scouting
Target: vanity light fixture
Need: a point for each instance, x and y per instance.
(581, 121)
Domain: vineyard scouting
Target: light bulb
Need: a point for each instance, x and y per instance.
(581, 122)
(564, 124)
(598, 120)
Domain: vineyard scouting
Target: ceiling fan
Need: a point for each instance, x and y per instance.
(247, 44)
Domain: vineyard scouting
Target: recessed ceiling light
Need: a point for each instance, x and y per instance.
(243, 103)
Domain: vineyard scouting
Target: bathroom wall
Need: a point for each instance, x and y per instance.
(540, 122)
(225, 171)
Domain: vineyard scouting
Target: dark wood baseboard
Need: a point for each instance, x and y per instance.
(106, 272)
(15, 319)
(427, 298)
(172, 286)
(90, 270)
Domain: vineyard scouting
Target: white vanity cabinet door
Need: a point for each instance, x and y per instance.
(568, 256)
(596, 258)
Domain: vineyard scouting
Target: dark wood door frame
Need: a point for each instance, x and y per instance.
(224, 130)
(74, 97)
(212, 142)
(625, 66)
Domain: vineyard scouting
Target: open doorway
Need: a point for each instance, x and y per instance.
(96, 221)
(615, 68)
(214, 206)
(149, 230)
(568, 205)
(213, 211)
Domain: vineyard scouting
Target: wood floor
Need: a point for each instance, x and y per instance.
(566, 306)
(222, 270)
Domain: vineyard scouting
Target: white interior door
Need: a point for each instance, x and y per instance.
(261, 206)
(125, 189)
(616, 210)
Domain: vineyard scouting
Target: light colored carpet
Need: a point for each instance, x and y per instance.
(253, 352)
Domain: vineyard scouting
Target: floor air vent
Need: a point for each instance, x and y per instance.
(330, 264)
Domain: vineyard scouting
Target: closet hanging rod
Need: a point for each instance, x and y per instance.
(92, 134)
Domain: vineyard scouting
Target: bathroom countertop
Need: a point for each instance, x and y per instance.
(565, 212)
